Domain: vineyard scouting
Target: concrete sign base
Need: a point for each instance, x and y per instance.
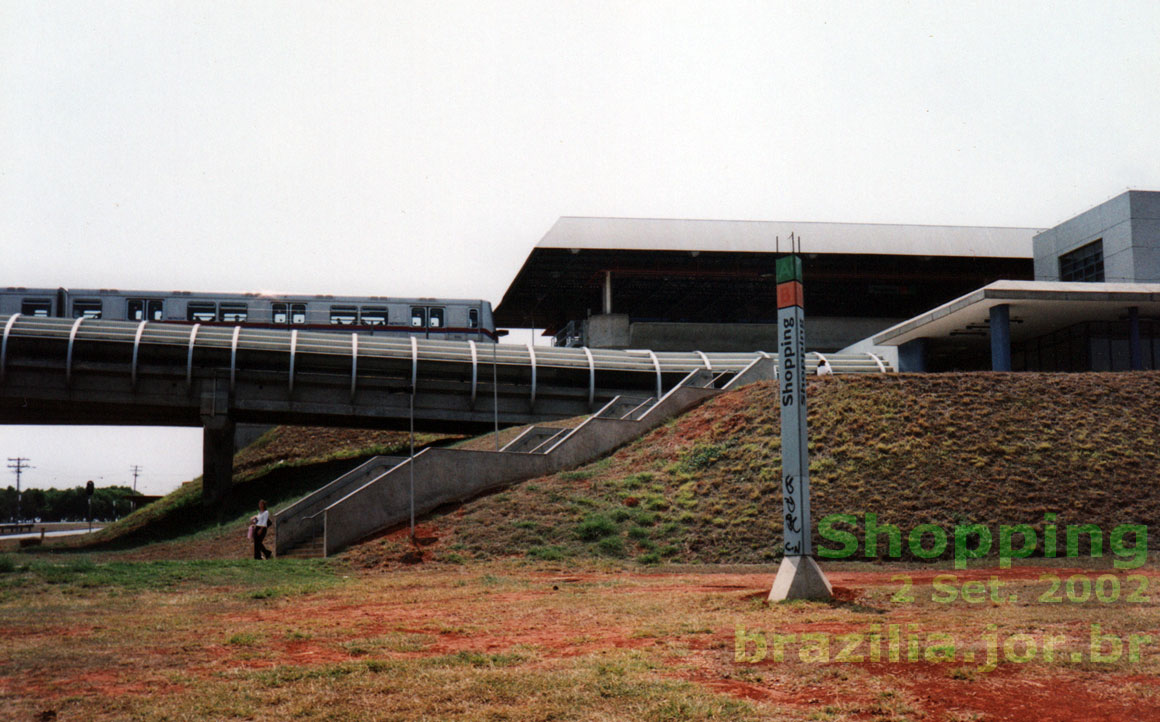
(800, 578)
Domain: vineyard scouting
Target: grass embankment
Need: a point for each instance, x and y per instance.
(944, 449)
(280, 466)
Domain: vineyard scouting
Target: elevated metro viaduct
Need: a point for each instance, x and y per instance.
(62, 371)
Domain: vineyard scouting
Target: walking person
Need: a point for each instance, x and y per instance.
(260, 527)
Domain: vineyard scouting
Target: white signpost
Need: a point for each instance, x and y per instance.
(799, 576)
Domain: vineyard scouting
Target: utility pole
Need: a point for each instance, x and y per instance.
(136, 470)
(18, 465)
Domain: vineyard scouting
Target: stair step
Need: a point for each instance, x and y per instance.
(623, 406)
(305, 549)
(531, 439)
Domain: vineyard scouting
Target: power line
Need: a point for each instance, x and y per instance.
(18, 465)
(136, 470)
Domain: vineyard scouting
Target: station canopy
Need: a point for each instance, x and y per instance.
(723, 271)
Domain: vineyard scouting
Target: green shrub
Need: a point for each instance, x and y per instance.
(548, 554)
(649, 559)
(595, 526)
(638, 532)
(701, 457)
(612, 546)
(645, 518)
(635, 481)
(656, 503)
(243, 639)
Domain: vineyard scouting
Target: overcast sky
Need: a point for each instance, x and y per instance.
(423, 148)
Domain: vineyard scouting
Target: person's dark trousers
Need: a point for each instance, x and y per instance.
(260, 550)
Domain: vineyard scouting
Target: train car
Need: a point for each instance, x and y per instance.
(441, 318)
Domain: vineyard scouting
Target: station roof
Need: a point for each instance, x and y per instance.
(1037, 308)
(653, 234)
(722, 271)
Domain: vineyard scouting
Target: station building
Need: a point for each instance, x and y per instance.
(1082, 295)
(1094, 303)
(679, 285)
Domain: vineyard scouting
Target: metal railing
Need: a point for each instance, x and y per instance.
(303, 351)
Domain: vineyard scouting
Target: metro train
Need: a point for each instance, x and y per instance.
(440, 318)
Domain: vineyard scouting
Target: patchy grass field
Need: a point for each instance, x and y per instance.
(536, 641)
(593, 594)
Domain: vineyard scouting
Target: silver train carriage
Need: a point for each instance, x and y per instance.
(441, 318)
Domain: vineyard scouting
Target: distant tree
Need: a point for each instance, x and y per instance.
(8, 504)
(109, 503)
(34, 503)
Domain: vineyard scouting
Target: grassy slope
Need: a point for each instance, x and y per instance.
(942, 449)
(281, 466)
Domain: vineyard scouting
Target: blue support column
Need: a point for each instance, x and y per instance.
(912, 356)
(1135, 350)
(1001, 337)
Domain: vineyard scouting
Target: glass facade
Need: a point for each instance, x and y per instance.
(1090, 346)
(1085, 263)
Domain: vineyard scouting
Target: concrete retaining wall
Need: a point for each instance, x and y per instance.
(293, 524)
(445, 476)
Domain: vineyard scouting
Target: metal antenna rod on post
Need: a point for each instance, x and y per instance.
(495, 391)
(18, 465)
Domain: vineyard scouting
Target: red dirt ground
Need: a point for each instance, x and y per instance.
(1005, 694)
(524, 617)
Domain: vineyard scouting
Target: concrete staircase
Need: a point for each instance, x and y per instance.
(298, 529)
(376, 495)
(308, 548)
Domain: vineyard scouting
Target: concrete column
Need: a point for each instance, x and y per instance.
(217, 459)
(607, 292)
(912, 356)
(1135, 350)
(1001, 337)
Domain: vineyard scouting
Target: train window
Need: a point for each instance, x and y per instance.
(437, 318)
(41, 308)
(418, 317)
(473, 318)
(86, 308)
(233, 313)
(201, 312)
(279, 313)
(298, 313)
(343, 315)
(374, 315)
(144, 309)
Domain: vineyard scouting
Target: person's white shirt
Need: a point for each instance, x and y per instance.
(264, 518)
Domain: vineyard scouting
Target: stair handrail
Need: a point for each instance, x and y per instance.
(583, 423)
(519, 436)
(298, 514)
